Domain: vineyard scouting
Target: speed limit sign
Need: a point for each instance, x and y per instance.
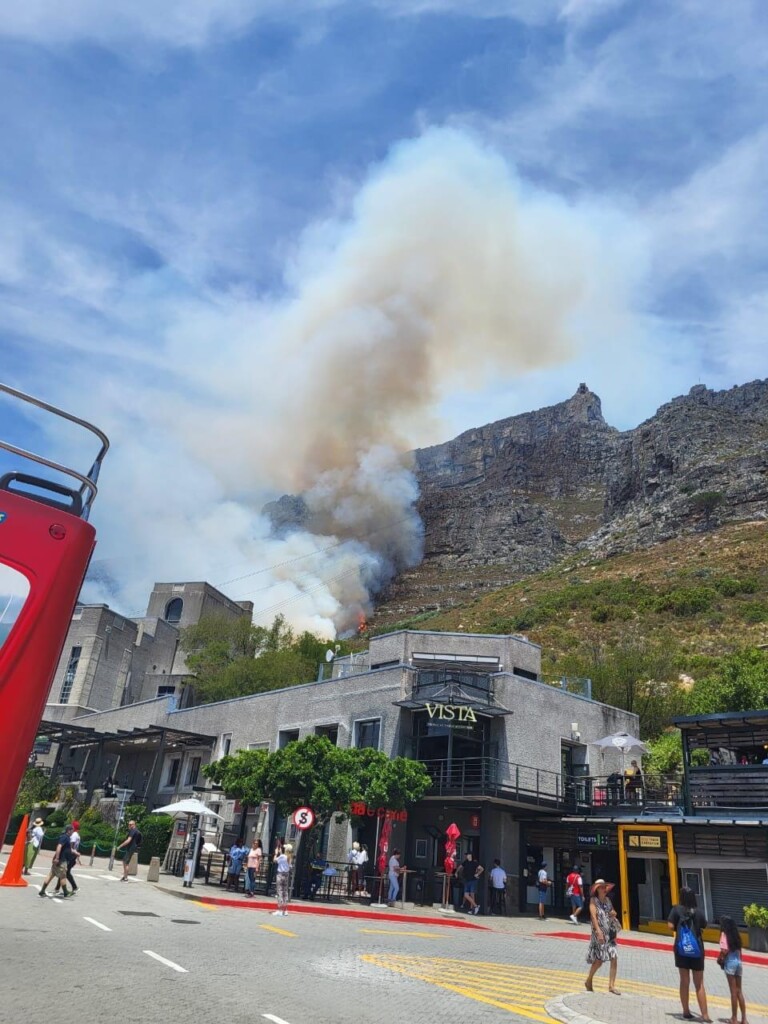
(303, 818)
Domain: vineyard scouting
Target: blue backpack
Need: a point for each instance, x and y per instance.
(687, 944)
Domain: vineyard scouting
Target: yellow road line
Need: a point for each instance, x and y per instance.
(278, 931)
(527, 986)
(205, 906)
(385, 931)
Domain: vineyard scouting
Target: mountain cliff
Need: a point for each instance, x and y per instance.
(514, 497)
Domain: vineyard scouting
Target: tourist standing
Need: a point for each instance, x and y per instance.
(543, 884)
(34, 841)
(471, 871)
(253, 864)
(575, 892)
(238, 852)
(394, 878)
(688, 922)
(730, 961)
(131, 844)
(282, 860)
(605, 928)
(59, 863)
(498, 878)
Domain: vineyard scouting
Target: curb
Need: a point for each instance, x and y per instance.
(663, 947)
(557, 1009)
(329, 911)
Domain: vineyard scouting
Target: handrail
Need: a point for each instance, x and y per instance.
(87, 480)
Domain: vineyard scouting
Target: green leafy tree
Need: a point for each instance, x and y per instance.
(35, 788)
(325, 777)
(739, 683)
(635, 675)
(233, 658)
(705, 503)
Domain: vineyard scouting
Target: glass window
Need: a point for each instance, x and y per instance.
(193, 771)
(225, 743)
(69, 675)
(14, 590)
(173, 771)
(368, 733)
(173, 610)
(330, 732)
(166, 691)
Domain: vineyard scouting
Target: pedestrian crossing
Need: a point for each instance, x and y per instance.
(522, 990)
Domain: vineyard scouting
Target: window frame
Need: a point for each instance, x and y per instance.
(366, 721)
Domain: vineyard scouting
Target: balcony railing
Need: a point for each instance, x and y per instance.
(729, 790)
(599, 795)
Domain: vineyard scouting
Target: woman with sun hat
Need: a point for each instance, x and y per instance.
(605, 928)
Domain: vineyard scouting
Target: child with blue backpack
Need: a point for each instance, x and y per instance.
(688, 922)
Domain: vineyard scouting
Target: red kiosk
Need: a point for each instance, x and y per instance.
(46, 544)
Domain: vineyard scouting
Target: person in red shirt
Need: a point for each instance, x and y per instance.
(575, 891)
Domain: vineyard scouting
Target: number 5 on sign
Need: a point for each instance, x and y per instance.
(304, 818)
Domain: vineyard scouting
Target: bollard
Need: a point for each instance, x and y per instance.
(133, 866)
(153, 874)
(93, 854)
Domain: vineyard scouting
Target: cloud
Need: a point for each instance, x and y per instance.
(445, 272)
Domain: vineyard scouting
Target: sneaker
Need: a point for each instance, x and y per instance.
(277, 913)
(66, 894)
(43, 893)
(573, 919)
(285, 913)
(476, 911)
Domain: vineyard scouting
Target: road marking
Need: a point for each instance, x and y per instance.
(205, 906)
(168, 963)
(109, 878)
(98, 924)
(385, 931)
(274, 1019)
(279, 931)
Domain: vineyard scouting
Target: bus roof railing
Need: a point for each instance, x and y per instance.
(83, 497)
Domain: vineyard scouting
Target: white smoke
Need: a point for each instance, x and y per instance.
(446, 272)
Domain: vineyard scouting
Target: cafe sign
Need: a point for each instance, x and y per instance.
(451, 712)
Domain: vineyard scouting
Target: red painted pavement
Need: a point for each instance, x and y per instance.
(665, 947)
(336, 911)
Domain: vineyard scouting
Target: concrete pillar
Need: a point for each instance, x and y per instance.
(153, 874)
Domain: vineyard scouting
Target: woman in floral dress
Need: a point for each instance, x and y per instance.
(605, 927)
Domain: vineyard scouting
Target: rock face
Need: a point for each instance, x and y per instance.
(511, 498)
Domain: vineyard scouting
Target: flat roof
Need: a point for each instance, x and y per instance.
(722, 718)
(443, 632)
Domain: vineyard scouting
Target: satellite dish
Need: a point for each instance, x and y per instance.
(330, 655)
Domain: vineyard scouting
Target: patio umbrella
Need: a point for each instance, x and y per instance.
(624, 742)
(190, 806)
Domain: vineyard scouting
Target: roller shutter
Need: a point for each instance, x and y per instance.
(733, 889)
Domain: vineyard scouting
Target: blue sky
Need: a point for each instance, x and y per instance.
(183, 185)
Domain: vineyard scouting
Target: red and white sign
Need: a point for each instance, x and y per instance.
(303, 818)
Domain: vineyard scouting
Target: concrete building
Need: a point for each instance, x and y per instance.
(499, 743)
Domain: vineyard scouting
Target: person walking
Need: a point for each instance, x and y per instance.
(605, 928)
(59, 863)
(73, 856)
(575, 892)
(34, 842)
(238, 852)
(688, 922)
(543, 884)
(394, 870)
(498, 878)
(253, 866)
(131, 845)
(471, 871)
(282, 860)
(730, 961)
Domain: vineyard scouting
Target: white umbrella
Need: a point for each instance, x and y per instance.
(622, 741)
(190, 806)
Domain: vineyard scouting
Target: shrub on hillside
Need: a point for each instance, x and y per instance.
(755, 613)
(685, 601)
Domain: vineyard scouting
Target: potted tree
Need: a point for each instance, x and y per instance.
(756, 920)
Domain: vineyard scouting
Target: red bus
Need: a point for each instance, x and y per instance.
(46, 544)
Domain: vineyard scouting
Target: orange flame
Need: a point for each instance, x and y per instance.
(362, 624)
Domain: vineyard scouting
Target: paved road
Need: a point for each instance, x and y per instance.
(125, 951)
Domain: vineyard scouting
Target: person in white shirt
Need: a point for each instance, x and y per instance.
(543, 884)
(34, 841)
(498, 885)
(394, 881)
(282, 860)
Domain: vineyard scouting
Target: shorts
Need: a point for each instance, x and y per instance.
(543, 890)
(732, 965)
(470, 887)
(59, 870)
(689, 963)
(577, 902)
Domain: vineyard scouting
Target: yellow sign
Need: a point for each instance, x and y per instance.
(645, 842)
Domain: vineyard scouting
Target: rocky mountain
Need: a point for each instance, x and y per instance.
(514, 497)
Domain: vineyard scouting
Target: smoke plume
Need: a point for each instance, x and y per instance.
(445, 271)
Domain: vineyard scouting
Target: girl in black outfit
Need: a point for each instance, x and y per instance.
(687, 912)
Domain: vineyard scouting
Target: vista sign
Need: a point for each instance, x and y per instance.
(451, 712)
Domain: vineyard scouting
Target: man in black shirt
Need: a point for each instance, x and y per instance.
(130, 845)
(60, 863)
(471, 872)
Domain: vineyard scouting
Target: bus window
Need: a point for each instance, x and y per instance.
(14, 590)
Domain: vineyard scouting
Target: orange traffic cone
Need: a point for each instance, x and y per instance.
(12, 873)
